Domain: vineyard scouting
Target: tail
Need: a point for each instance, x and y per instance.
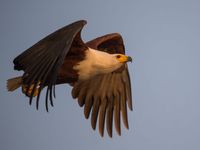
(14, 83)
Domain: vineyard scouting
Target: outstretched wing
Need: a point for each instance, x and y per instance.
(42, 61)
(106, 96)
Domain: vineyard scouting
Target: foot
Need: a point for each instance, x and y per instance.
(36, 91)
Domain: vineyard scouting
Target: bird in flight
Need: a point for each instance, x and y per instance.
(96, 70)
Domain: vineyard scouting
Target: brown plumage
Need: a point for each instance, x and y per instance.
(51, 61)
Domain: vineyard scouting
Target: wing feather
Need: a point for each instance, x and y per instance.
(128, 88)
(95, 112)
(102, 114)
(88, 105)
(117, 114)
(109, 116)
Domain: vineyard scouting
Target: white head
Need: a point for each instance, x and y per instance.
(107, 63)
(98, 62)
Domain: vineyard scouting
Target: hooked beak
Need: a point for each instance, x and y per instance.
(124, 59)
(129, 58)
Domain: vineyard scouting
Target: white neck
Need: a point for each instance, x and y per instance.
(96, 62)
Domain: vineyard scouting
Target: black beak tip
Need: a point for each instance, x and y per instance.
(129, 59)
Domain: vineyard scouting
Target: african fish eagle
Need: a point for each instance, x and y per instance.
(96, 70)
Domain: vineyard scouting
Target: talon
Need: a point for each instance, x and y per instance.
(36, 91)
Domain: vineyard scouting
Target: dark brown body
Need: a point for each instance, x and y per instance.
(66, 73)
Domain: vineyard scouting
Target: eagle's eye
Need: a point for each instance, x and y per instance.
(118, 56)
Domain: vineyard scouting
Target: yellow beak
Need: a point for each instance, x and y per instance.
(124, 59)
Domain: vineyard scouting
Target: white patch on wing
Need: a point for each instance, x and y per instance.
(96, 62)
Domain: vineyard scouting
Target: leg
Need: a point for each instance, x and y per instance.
(36, 91)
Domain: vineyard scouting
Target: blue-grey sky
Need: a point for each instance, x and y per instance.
(163, 37)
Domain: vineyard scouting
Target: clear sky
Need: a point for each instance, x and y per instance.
(163, 37)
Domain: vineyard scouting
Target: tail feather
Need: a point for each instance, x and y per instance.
(14, 83)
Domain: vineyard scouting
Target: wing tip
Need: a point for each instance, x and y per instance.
(82, 22)
(101, 132)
